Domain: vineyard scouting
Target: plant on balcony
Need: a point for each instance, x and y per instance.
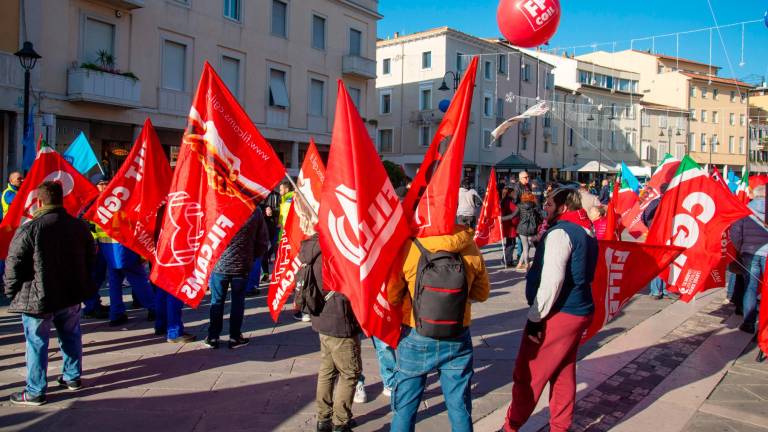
(106, 63)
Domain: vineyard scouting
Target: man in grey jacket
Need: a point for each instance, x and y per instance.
(47, 277)
(232, 271)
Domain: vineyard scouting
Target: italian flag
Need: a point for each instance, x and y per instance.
(742, 191)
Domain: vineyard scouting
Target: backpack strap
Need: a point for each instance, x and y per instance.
(424, 252)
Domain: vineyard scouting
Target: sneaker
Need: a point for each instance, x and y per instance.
(343, 428)
(360, 396)
(73, 385)
(255, 293)
(747, 328)
(211, 343)
(22, 398)
(726, 301)
(120, 320)
(265, 277)
(305, 318)
(182, 338)
(387, 392)
(238, 341)
(324, 426)
(298, 316)
(99, 312)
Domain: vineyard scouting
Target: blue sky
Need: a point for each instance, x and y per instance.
(585, 22)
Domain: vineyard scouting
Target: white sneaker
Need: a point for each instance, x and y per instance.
(387, 392)
(305, 318)
(360, 396)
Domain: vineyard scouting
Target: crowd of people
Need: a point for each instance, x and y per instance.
(440, 278)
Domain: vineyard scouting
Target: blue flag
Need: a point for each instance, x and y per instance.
(28, 145)
(629, 178)
(80, 154)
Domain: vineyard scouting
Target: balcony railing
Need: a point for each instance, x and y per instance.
(173, 101)
(358, 67)
(125, 4)
(103, 87)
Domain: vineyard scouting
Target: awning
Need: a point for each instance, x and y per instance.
(516, 163)
(591, 166)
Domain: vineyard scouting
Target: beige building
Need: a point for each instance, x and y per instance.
(411, 71)
(758, 129)
(717, 128)
(280, 58)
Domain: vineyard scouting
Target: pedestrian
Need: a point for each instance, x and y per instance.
(509, 223)
(749, 236)
(599, 219)
(92, 307)
(561, 309)
(270, 218)
(530, 219)
(231, 271)
(46, 286)
(15, 179)
(451, 353)
(387, 364)
(523, 185)
(605, 193)
(588, 199)
(469, 202)
(657, 286)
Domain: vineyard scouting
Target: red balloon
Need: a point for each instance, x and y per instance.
(528, 23)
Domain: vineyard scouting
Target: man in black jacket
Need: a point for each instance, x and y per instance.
(232, 271)
(47, 277)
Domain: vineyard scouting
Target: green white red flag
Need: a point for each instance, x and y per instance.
(489, 223)
(742, 192)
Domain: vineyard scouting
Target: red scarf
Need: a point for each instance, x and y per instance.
(579, 217)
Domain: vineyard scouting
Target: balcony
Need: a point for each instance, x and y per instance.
(525, 127)
(124, 4)
(85, 85)
(358, 67)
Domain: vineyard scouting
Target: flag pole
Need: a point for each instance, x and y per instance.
(296, 190)
(503, 244)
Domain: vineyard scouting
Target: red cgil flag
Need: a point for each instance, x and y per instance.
(433, 198)
(361, 224)
(127, 209)
(225, 168)
(694, 213)
(489, 224)
(48, 166)
(623, 269)
(718, 178)
(762, 324)
(287, 263)
(612, 222)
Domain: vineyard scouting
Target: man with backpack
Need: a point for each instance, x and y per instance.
(440, 276)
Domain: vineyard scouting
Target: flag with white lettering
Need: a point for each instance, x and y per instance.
(49, 166)
(287, 262)
(127, 209)
(489, 223)
(623, 269)
(225, 168)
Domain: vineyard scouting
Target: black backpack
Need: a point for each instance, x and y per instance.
(440, 295)
(310, 298)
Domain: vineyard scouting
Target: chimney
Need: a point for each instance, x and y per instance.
(397, 35)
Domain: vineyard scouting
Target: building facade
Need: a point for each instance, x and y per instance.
(108, 64)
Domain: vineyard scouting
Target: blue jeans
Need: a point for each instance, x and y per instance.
(756, 266)
(658, 287)
(387, 362)
(168, 317)
(730, 279)
(254, 277)
(416, 357)
(37, 331)
(220, 283)
(139, 281)
(99, 274)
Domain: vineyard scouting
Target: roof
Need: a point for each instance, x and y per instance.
(666, 57)
(659, 107)
(516, 162)
(717, 79)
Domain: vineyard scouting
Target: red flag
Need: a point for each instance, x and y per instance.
(361, 224)
(762, 324)
(225, 168)
(287, 263)
(48, 166)
(694, 213)
(623, 269)
(127, 209)
(489, 224)
(433, 198)
(718, 178)
(664, 174)
(612, 222)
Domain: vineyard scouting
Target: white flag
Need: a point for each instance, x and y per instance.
(537, 110)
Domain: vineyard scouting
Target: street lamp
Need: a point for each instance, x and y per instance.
(669, 134)
(28, 58)
(456, 78)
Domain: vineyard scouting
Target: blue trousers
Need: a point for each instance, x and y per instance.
(168, 317)
(219, 284)
(139, 281)
(387, 362)
(756, 266)
(37, 331)
(658, 287)
(99, 274)
(418, 355)
(254, 277)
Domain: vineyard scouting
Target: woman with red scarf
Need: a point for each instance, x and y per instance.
(509, 223)
(561, 308)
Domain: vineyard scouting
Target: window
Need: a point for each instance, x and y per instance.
(660, 68)
(355, 93)
(732, 119)
(425, 136)
(645, 119)
(503, 64)
(230, 73)
(742, 120)
(279, 19)
(318, 32)
(232, 9)
(548, 120)
(355, 42)
(703, 115)
(425, 98)
(662, 121)
(524, 143)
(487, 70)
(715, 92)
(703, 143)
(715, 116)
(174, 65)
(461, 61)
(730, 144)
(526, 72)
(546, 145)
(278, 89)
(426, 60)
(585, 77)
(486, 139)
(499, 107)
(741, 145)
(385, 102)
(691, 142)
(629, 142)
(693, 114)
(316, 97)
(743, 97)
(99, 37)
(733, 96)
(385, 141)
(386, 66)
(680, 121)
(693, 91)
(703, 92)
(550, 81)
(554, 135)
(487, 106)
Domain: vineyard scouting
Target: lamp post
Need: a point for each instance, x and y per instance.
(28, 58)
(669, 140)
(456, 79)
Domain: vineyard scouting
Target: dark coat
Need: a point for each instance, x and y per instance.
(530, 218)
(750, 236)
(49, 264)
(337, 318)
(249, 243)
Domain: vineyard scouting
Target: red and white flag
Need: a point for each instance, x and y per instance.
(127, 209)
(623, 269)
(489, 224)
(48, 166)
(693, 214)
(361, 224)
(762, 324)
(225, 168)
(742, 192)
(433, 198)
(287, 263)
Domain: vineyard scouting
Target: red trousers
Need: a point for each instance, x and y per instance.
(554, 362)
